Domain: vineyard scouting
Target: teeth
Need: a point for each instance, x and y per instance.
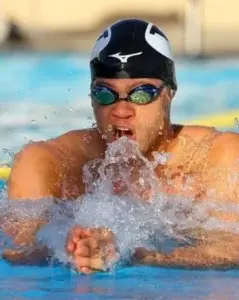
(122, 129)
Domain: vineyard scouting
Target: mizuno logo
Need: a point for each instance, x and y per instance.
(124, 58)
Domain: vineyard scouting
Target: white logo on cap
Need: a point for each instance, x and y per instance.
(100, 45)
(124, 58)
(158, 42)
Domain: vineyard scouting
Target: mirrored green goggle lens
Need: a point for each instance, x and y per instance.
(104, 97)
(141, 97)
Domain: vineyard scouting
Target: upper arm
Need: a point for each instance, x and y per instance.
(35, 174)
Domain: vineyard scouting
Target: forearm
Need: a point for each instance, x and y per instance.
(191, 257)
(36, 256)
(24, 248)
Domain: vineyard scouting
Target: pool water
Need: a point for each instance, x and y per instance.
(43, 95)
(57, 282)
(127, 283)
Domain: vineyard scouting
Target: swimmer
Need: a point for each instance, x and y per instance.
(133, 84)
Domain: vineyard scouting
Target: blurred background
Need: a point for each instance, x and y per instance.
(44, 70)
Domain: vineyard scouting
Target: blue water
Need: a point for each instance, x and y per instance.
(128, 283)
(43, 95)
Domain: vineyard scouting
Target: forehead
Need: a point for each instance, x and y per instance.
(127, 82)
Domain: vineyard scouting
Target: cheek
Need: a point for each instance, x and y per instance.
(151, 117)
(101, 114)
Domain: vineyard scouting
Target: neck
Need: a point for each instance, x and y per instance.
(165, 140)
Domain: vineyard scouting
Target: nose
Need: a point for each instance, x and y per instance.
(123, 110)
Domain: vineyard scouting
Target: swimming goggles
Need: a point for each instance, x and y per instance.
(143, 94)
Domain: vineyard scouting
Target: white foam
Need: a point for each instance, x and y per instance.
(158, 224)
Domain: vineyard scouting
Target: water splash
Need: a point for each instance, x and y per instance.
(117, 197)
(236, 122)
(7, 156)
(115, 201)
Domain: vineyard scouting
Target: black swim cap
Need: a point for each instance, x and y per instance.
(133, 48)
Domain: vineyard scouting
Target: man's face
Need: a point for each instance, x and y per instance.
(142, 123)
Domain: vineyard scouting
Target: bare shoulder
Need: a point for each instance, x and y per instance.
(225, 147)
(216, 161)
(223, 167)
(34, 172)
(88, 142)
(198, 133)
(228, 139)
(36, 151)
(40, 168)
(75, 146)
(54, 167)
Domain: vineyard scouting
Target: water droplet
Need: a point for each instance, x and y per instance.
(104, 136)
(141, 181)
(161, 158)
(69, 90)
(84, 138)
(7, 165)
(236, 122)
(33, 121)
(71, 109)
(45, 117)
(110, 128)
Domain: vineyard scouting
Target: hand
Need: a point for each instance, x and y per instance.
(91, 249)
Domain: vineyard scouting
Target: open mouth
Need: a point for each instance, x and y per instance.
(123, 131)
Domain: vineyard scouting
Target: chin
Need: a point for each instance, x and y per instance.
(115, 138)
(144, 148)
